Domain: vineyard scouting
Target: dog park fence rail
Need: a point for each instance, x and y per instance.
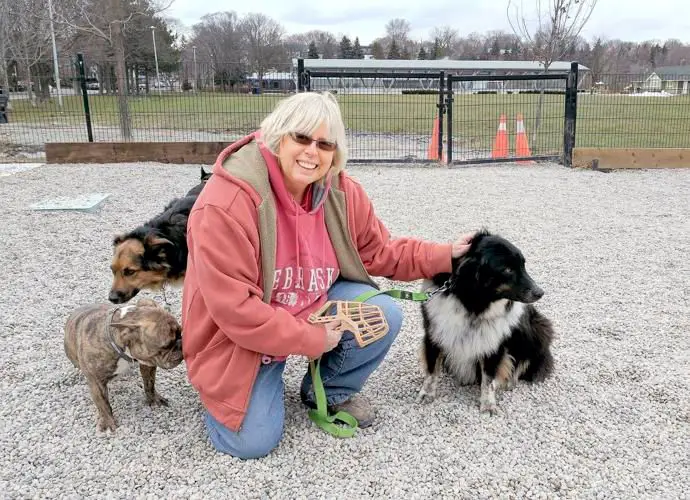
(189, 110)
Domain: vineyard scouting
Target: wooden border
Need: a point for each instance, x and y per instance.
(204, 153)
(628, 158)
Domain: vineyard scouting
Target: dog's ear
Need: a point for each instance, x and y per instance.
(118, 239)
(156, 249)
(157, 243)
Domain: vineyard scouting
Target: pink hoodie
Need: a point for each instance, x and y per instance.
(227, 325)
(306, 264)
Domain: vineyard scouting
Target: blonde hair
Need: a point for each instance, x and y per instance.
(303, 113)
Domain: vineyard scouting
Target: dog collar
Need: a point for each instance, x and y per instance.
(120, 352)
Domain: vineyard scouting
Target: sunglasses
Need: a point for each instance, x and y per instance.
(305, 140)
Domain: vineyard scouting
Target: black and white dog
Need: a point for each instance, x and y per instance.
(481, 325)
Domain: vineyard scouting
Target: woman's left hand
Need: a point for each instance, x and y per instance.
(462, 245)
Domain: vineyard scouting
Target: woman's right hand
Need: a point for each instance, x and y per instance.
(334, 330)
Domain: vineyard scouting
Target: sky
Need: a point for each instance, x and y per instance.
(630, 20)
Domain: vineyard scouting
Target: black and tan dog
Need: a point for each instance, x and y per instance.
(155, 253)
(103, 342)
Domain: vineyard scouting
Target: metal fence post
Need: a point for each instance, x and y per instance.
(441, 109)
(449, 114)
(570, 115)
(85, 95)
(300, 73)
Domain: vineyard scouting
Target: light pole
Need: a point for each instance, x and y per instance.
(56, 68)
(195, 75)
(155, 55)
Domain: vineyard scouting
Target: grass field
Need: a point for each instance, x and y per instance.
(603, 120)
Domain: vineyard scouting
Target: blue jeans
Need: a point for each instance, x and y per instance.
(344, 371)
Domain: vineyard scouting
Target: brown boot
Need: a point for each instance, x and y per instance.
(357, 406)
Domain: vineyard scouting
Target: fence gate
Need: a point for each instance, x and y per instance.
(505, 118)
(456, 119)
(389, 117)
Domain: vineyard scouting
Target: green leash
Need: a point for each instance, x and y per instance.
(342, 424)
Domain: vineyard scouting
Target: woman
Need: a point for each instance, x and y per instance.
(278, 230)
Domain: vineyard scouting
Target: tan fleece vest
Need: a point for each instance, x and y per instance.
(248, 165)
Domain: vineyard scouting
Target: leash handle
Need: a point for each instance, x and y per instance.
(342, 424)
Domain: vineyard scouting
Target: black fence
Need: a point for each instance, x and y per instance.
(390, 117)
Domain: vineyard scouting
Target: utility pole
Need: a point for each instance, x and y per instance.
(155, 55)
(56, 65)
(195, 74)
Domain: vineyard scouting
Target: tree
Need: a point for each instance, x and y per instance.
(264, 40)
(357, 52)
(495, 50)
(398, 30)
(422, 53)
(313, 52)
(345, 48)
(436, 50)
(393, 51)
(445, 38)
(218, 39)
(107, 21)
(377, 50)
(4, 45)
(26, 39)
(557, 26)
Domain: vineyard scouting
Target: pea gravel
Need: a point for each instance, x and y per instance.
(611, 251)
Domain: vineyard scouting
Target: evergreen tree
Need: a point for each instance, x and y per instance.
(422, 53)
(345, 48)
(495, 48)
(436, 50)
(313, 52)
(357, 52)
(393, 51)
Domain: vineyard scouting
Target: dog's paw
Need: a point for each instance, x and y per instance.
(156, 400)
(488, 408)
(424, 397)
(106, 424)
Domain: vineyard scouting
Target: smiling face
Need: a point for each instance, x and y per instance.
(303, 164)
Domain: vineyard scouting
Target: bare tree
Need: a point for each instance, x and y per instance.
(218, 41)
(550, 33)
(28, 41)
(447, 38)
(264, 40)
(398, 30)
(106, 20)
(4, 45)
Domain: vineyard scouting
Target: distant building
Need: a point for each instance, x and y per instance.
(670, 79)
(272, 81)
(403, 67)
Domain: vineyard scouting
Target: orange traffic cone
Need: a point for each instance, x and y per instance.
(500, 149)
(521, 143)
(432, 151)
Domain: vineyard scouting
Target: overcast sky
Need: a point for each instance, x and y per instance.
(633, 20)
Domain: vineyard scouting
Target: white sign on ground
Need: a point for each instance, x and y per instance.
(87, 201)
(14, 168)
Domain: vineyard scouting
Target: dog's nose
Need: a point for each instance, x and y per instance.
(116, 297)
(538, 293)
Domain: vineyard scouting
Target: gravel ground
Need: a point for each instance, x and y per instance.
(610, 250)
